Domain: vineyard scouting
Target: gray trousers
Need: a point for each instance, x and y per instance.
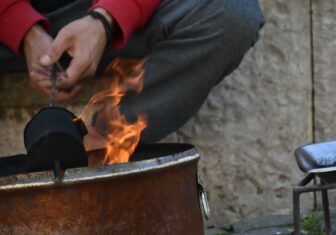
(190, 46)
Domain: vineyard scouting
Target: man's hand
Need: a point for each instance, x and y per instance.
(84, 40)
(35, 43)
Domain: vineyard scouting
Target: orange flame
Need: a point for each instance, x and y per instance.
(110, 129)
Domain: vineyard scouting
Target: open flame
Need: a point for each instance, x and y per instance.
(110, 129)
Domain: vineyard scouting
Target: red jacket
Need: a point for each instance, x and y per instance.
(17, 16)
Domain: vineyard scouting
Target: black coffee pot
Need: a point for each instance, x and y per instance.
(54, 138)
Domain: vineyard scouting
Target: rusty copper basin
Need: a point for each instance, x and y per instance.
(156, 196)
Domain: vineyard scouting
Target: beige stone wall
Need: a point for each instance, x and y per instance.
(253, 121)
(250, 125)
(324, 29)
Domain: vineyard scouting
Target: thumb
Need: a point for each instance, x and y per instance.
(55, 51)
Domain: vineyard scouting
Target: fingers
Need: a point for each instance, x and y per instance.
(79, 69)
(56, 49)
(40, 79)
(74, 72)
(64, 95)
(42, 87)
(42, 71)
(80, 39)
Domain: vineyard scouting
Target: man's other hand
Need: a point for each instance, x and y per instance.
(35, 43)
(84, 40)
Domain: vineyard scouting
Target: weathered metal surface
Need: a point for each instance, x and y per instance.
(156, 196)
(318, 159)
(319, 155)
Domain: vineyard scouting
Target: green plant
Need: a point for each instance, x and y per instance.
(312, 224)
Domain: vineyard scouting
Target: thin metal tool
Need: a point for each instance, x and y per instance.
(58, 172)
(55, 69)
(53, 79)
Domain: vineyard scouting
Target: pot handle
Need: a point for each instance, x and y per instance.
(204, 201)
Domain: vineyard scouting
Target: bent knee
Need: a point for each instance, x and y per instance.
(241, 19)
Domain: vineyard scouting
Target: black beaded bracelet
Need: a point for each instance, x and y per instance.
(108, 28)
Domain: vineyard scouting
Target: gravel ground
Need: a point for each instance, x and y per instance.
(275, 225)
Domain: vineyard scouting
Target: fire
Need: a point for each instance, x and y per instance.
(110, 129)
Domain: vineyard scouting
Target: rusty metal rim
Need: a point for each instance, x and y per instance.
(85, 174)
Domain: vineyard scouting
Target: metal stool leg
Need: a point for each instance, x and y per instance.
(326, 211)
(296, 212)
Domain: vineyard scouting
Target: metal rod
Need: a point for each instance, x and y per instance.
(326, 211)
(60, 68)
(53, 79)
(306, 180)
(58, 172)
(315, 196)
(55, 70)
(296, 212)
(303, 188)
(313, 188)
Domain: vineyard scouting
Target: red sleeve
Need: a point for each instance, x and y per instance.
(16, 18)
(130, 15)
